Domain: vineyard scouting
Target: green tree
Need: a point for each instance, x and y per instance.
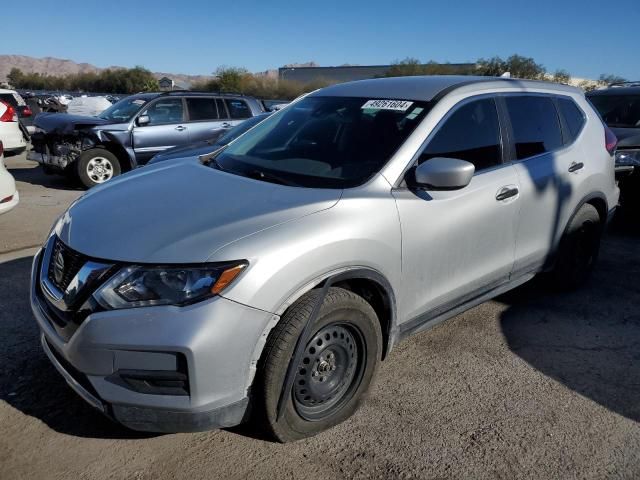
(517, 65)
(16, 77)
(562, 76)
(608, 79)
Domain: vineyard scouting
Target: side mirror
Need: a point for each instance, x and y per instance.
(442, 173)
(143, 120)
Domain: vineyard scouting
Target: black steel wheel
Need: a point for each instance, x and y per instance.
(340, 359)
(329, 372)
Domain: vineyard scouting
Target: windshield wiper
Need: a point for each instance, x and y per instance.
(269, 177)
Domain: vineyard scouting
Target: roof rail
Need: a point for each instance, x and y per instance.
(203, 92)
(626, 83)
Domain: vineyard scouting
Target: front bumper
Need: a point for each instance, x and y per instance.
(46, 159)
(218, 338)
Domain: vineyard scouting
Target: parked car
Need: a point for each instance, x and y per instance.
(619, 106)
(9, 196)
(204, 147)
(271, 277)
(131, 131)
(11, 134)
(87, 106)
(25, 114)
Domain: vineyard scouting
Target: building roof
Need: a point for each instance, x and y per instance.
(426, 88)
(348, 73)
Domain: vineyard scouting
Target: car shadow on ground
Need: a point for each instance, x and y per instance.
(33, 174)
(28, 381)
(589, 339)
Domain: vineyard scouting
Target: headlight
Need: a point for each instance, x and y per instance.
(628, 158)
(142, 286)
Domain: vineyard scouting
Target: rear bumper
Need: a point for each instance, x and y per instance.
(5, 207)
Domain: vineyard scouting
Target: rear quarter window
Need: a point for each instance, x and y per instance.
(238, 108)
(573, 118)
(535, 124)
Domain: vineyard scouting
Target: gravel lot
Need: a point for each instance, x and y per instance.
(532, 385)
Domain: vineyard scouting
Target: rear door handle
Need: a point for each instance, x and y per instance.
(180, 128)
(226, 125)
(506, 192)
(574, 167)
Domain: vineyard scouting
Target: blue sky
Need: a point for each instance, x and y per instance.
(586, 38)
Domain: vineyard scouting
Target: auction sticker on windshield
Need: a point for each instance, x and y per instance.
(398, 105)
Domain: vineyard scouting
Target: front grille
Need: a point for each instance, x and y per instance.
(73, 262)
(65, 322)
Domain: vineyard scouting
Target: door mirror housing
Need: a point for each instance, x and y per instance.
(143, 120)
(441, 173)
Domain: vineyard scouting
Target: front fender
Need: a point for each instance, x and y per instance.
(287, 260)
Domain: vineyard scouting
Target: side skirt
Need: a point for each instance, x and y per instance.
(432, 318)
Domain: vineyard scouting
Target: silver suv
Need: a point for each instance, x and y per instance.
(267, 280)
(131, 131)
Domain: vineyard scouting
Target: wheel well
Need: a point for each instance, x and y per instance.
(378, 298)
(119, 152)
(601, 206)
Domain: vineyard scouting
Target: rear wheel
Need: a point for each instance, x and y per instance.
(96, 166)
(579, 248)
(341, 356)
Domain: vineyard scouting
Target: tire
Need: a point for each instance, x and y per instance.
(578, 250)
(96, 166)
(341, 358)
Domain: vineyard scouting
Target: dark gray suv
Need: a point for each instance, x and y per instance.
(132, 131)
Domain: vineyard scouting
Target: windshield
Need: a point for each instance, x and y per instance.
(124, 110)
(324, 142)
(618, 111)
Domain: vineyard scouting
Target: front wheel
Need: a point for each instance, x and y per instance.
(96, 166)
(341, 356)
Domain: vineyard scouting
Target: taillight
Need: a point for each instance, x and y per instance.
(9, 115)
(610, 140)
(26, 112)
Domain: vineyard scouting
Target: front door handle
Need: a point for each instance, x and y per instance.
(180, 128)
(226, 125)
(506, 192)
(574, 167)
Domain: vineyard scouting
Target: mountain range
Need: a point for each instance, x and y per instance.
(59, 67)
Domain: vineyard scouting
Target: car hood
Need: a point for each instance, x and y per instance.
(63, 123)
(180, 212)
(627, 137)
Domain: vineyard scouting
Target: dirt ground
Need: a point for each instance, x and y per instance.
(534, 384)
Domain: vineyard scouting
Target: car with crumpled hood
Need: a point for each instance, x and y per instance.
(131, 131)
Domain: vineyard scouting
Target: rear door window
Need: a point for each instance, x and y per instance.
(238, 108)
(471, 133)
(535, 123)
(202, 109)
(573, 118)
